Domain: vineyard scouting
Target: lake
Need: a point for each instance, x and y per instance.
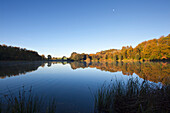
(74, 84)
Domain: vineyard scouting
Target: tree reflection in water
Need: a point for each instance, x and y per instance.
(153, 71)
(8, 69)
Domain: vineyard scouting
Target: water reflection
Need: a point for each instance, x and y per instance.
(15, 68)
(153, 71)
(8, 69)
(73, 88)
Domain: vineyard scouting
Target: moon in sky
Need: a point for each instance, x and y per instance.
(113, 10)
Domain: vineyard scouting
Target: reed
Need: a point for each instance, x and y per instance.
(133, 97)
(26, 102)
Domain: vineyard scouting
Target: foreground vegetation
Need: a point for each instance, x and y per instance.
(155, 49)
(25, 102)
(115, 97)
(133, 97)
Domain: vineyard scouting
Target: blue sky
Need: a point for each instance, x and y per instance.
(60, 27)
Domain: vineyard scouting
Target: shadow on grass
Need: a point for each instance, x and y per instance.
(133, 97)
(26, 102)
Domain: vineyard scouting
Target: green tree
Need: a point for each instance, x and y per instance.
(16, 53)
(49, 57)
(64, 58)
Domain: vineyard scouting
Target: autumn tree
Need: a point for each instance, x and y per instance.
(115, 57)
(43, 57)
(155, 49)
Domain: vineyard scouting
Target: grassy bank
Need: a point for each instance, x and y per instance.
(132, 97)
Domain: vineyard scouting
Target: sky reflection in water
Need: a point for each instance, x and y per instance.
(73, 85)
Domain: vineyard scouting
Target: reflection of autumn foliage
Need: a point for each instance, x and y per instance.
(75, 65)
(153, 71)
(17, 69)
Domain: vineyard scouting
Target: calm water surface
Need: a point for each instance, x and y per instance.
(74, 84)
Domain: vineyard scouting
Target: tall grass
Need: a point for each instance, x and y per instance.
(133, 97)
(26, 102)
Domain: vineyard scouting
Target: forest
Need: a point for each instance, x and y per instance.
(155, 49)
(17, 53)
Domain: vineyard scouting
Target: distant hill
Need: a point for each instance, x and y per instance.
(17, 53)
(155, 49)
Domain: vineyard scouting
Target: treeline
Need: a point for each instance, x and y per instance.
(16, 53)
(155, 49)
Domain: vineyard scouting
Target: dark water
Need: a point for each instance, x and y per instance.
(74, 84)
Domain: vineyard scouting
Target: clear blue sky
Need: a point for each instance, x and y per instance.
(60, 27)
